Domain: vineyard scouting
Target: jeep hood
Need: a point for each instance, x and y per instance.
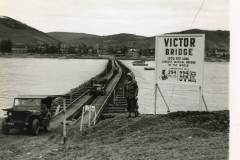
(20, 110)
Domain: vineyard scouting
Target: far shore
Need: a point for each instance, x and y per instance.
(74, 56)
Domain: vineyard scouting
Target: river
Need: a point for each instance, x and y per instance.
(43, 76)
(183, 98)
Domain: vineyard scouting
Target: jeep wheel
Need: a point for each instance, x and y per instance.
(35, 127)
(5, 128)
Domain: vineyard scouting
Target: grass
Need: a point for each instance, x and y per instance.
(178, 135)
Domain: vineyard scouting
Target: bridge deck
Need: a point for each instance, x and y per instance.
(78, 104)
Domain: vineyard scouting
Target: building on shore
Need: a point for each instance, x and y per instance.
(133, 52)
(19, 48)
(64, 48)
(222, 52)
(218, 52)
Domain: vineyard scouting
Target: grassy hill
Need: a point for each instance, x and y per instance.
(214, 39)
(129, 40)
(70, 36)
(117, 40)
(22, 33)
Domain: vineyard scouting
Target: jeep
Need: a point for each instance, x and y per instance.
(30, 113)
(98, 87)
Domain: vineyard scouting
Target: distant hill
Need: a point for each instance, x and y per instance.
(70, 36)
(19, 32)
(22, 33)
(116, 40)
(214, 39)
(129, 40)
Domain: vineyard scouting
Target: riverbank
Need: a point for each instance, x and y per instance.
(74, 56)
(59, 56)
(177, 135)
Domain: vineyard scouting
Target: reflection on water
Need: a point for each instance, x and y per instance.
(183, 97)
(43, 76)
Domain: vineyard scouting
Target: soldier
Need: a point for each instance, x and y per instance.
(131, 92)
(44, 109)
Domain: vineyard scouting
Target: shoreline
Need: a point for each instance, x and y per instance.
(74, 56)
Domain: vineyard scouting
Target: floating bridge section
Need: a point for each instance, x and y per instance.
(107, 105)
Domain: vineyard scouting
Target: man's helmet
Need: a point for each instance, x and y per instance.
(129, 75)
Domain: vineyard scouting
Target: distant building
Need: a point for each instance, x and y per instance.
(42, 47)
(133, 52)
(19, 48)
(119, 53)
(222, 52)
(64, 48)
(210, 52)
(90, 51)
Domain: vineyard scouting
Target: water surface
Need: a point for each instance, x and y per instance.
(183, 98)
(42, 76)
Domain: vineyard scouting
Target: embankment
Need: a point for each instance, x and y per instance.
(177, 135)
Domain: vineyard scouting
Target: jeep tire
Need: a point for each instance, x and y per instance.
(35, 127)
(5, 129)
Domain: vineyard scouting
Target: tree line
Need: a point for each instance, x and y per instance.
(6, 46)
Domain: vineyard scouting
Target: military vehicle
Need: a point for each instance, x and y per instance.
(30, 113)
(98, 87)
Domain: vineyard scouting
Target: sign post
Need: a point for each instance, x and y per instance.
(88, 109)
(64, 122)
(179, 60)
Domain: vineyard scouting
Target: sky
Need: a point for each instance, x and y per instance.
(106, 17)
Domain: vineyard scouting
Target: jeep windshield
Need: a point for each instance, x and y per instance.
(27, 104)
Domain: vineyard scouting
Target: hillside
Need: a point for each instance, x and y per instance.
(117, 40)
(214, 39)
(70, 36)
(129, 40)
(22, 33)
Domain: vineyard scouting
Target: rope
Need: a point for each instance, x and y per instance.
(198, 11)
(168, 109)
(205, 104)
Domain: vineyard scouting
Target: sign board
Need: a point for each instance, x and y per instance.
(89, 109)
(180, 58)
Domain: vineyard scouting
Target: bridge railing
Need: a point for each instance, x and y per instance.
(110, 96)
(83, 89)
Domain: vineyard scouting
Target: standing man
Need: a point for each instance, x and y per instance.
(131, 92)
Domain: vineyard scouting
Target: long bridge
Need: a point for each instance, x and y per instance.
(107, 105)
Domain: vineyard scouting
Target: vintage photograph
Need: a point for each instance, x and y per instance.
(114, 80)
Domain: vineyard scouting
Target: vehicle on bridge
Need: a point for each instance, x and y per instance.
(30, 113)
(98, 86)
